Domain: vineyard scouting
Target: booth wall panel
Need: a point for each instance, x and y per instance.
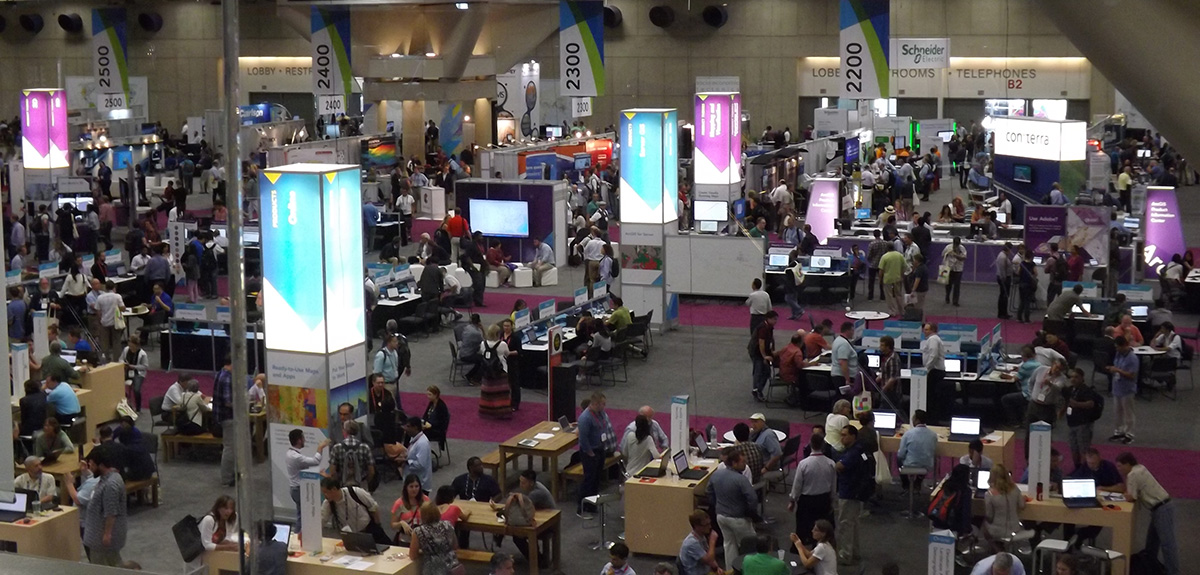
(963, 110)
(917, 107)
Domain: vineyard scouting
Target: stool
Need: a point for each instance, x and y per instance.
(1018, 543)
(914, 485)
(550, 277)
(523, 277)
(1104, 557)
(1046, 553)
(598, 501)
(493, 279)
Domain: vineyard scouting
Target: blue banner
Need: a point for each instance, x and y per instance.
(581, 47)
(649, 166)
(293, 294)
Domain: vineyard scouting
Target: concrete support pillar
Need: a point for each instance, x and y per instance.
(413, 129)
(379, 118)
(483, 121)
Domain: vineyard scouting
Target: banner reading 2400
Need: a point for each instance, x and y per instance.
(864, 49)
(109, 58)
(331, 58)
(581, 47)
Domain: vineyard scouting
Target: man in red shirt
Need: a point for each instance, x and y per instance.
(815, 341)
(497, 260)
(1075, 265)
(458, 228)
(791, 360)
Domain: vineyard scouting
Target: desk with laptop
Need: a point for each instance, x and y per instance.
(352, 552)
(54, 533)
(953, 441)
(658, 500)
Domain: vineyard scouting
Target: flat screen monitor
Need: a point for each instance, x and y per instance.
(885, 420)
(250, 236)
(1132, 223)
(710, 211)
(582, 163)
(1022, 173)
(819, 262)
(964, 426)
(283, 533)
(500, 218)
(1079, 488)
(19, 503)
(981, 478)
(708, 227)
(900, 142)
(1083, 308)
(1143, 153)
(554, 131)
(80, 202)
(1001, 218)
(862, 214)
(777, 260)
(1139, 310)
(953, 365)
(873, 361)
(945, 135)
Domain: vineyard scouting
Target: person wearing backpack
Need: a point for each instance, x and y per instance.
(495, 397)
(190, 262)
(208, 266)
(600, 218)
(1084, 408)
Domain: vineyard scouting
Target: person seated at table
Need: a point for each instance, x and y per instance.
(474, 485)
(1117, 308)
(219, 527)
(1002, 563)
(1167, 340)
(33, 408)
(959, 209)
(51, 438)
(618, 561)
(499, 262)
(1129, 331)
(406, 510)
(1056, 343)
(34, 479)
(815, 342)
(192, 407)
(62, 399)
(975, 459)
(54, 365)
(620, 318)
(77, 342)
(791, 361)
(520, 508)
(598, 349)
(127, 433)
(162, 307)
(1107, 477)
(823, 557)
(638, 446)
(272, 555)
(918, 446)
(173, 398)
(444, 499)
(586, 326)
(518, 305)
(257, 394)
(835, 421)
(945, 216)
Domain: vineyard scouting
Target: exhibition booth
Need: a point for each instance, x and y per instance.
(515, 212)
(548, 160)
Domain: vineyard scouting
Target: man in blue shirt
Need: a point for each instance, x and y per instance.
(1015, 403)
(845, 360)
(16, 314)
(595, 440)
(1124, 372)
(161, 306)
(223, 411)
(1107, 478)
(697, 555)
(419, 460)
(370, 219)
(918, 446)
(855, 484)
(769, 442)
(62, 398)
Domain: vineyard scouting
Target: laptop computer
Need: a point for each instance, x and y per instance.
(362, 543)
(1082, 308)
(393, 293)
(965, 429)
(52, 456)
(14, 510)
(653, 470)
(564, 423)
(886, 423)
(1079, 493)
(819, 263)
(873, 360)
(981, 482)
(705, 450)
(683, 470)
(953, 366)
(283, 533)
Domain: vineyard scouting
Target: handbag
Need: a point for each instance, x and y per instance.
(119, 320)
(943, 274)
(373, 527)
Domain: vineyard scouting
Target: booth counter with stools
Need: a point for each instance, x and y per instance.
(53, 534)
(332, 560)
(657, 509)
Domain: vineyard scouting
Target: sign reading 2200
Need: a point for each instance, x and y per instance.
(854, 69)
(321, 67)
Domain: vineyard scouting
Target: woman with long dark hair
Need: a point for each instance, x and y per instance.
(823, 557)
(219, 528)
(406, 510)
(510, 338)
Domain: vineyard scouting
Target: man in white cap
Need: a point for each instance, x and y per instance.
(35, 480)
(656, 432)
(766, 438)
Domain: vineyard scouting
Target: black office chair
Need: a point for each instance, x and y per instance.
(438, 437)
(156, 412)
(458, 367)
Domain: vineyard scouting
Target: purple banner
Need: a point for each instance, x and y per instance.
(1052, 229)
(1164, 231)
(717, 138)
(823, 203)
(44, 129)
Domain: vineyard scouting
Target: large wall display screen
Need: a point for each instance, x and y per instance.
(44, 129)
(1040, 139)
(649, 166)
(312, 220)
(500, 218)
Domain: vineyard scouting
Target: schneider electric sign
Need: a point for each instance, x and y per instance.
(922, 53)
(1040, 139)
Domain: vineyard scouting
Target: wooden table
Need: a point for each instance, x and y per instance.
(394, 562)
(547, 449)
(67, 463)
(1121, 520)
(107, 386)
(657, 510)
(483, 518)
(56, 535)
(1001, 451)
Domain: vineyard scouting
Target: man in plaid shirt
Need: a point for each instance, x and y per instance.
(889, 370)
(753, 452)
(875, 250)
(350, 460)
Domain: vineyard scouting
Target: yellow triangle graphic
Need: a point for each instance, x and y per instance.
(630, 115)
(330, 176)
(702, 97)
(273, 176)
(25, 92)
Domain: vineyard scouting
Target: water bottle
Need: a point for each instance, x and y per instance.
(37, 508)
(1039, 491)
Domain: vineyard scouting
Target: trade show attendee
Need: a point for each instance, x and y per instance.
(661, 441)
(1143, 488)
(793, 286)
(834, 422)
(1004, 269)
(918, 447)
(844, 361)
(1046, 394)
(34, 479)
(1083, 409)
(297, 461)
(137, 363)
(891, 268)
(33, 408)
(813, 488)
(823, 558)
(391, 361)
(593, 252)
(382, 406)
(762, 352)
(920, 281)
(475, 485)
(975, 459)
(766, 438)
(105, 518)
(1124, 370)
(698, 553)
(638, 447)
(1002, 563)
(933, 359)
(543, 260)
(60, 396)
(759, 302)
(856, 484)
(954, 256)
(350, 460)
(596, 440)
(349, 509)
(1003, 504)
(1027, 281)
(889, 375)
(875, 251)
(815, 343)
(1129, 331)
(219, 527)
(734, 500)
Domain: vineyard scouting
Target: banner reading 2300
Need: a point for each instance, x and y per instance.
(581, 47)
(864, 49)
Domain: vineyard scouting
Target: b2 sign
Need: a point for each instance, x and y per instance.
(921, 53)
(1040, 139)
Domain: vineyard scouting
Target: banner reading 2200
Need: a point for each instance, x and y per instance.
(581, 47)
(864, 49)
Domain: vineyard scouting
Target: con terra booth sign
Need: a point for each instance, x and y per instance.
(1065, 78)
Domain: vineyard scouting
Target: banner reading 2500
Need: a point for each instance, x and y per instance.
(331, 54)
(864, 49)
(581, 47)
(109, 60)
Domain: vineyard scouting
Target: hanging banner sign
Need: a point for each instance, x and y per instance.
(110, 64)
(920, 53)
(864, 49)
(581, 47)
(1164, 231)
(331, 52)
